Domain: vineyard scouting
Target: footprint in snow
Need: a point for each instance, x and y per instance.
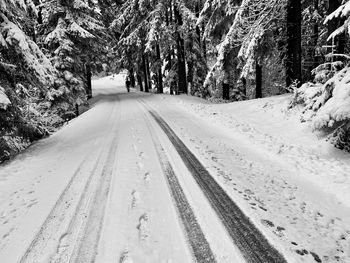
(267, 223)
(146, 177)
(125, 257)
(143, 227)
(140, 165)
(135, 199)
(142, 155)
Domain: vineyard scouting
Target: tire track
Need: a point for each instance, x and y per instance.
(46, 247)
(252, 243)
(56, 218)
(89, 239)
(195, 236)
(86, 245)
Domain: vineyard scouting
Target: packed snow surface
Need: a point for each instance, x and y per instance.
(294, 186)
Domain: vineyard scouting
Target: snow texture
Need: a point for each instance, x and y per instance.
(4, 100)
(30, 52)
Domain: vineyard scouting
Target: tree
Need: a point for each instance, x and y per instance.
(293, 54)
(26, 76)
(247, 33)
(72, 32)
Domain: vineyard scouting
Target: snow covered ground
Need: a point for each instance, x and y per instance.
(294, 186)
(97, 191)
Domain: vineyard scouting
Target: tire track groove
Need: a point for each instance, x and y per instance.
(195, 236)
(59, 235)
(252, 243)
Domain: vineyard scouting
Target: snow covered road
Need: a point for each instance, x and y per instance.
(99, 190)
(139, 179)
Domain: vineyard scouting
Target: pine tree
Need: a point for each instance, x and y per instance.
(74, 36)
(26, 76)
(248, 37)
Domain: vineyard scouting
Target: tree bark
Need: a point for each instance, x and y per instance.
(258, 80)
(160, 75)
(132, 77)
(168, 19)
(181, 62)
(293, 60)
(244, 86)
(88, 81)
(148, 75)
(226, 91)
(139, 80)
(145, 72)
(40, 15)
(315, 35)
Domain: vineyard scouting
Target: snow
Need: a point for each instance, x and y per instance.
(326, 104)
(275, 167)
(75, 29)
(25, 47)
(335, 101)
(57, 34)
(4, 100)
(2, 41)
(293, 186)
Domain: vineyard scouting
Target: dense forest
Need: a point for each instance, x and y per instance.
(222, 50)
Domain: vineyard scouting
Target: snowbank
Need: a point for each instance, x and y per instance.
(334, 103)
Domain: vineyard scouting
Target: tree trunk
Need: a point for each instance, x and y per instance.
(204, 47)
(160, 75)
(40, 15)
(181, 62)
(132, 77)
(293, 60)
(168, 19)
(148, 75)
(145, 72)
(88, 81)
(226, 91)
(139, 80)
(258, 80)
(315, 35)
(244, 86)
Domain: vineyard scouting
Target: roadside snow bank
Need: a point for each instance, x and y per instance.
(327, 107)
(268, 125)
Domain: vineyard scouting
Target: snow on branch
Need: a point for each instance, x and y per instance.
(333, 106)
(58, 34)
(154, 27)
(77, 30)
(341, 11)
(4, 100)
(27, 49)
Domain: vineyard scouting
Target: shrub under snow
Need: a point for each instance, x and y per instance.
(327, 107)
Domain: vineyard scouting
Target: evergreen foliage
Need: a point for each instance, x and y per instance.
(221, 49)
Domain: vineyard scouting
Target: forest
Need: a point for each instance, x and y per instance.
(220, 50)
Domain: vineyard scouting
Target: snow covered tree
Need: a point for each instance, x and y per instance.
(246, 34)
(159, 39)
(327, 104)
(26, 76)
(72, 33)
